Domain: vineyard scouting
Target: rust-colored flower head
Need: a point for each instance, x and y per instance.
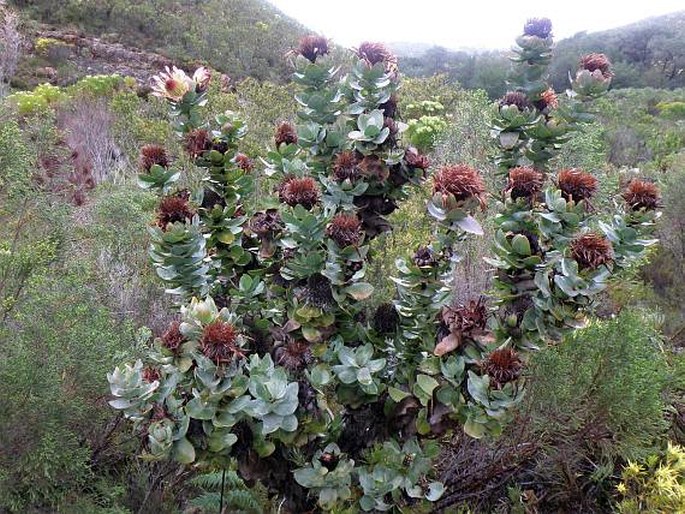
(299, 191)
(151, 374)
(424, 257)
(373, 167)
(317, 292)
(464, 318)
(540, 27)
(597, 62)
(374, 53)
(346, 166)
(517, 98)
(151, 155)
(244, 162)
(641, 194)
(524, 182)
(196, 142)
(345, 230)
(461, 182)
(312, 46)
(264, 224)
(548, 100)
(173, 209)
(576, 184)
(294, 355)
(219, 342)
(172, 339)
(386, 319)
(591, 250)
(416, 160)
(285, 134)
(502, 366)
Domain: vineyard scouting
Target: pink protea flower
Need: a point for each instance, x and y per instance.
(201, 78)
(172, 84)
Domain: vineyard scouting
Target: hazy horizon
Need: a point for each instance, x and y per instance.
(486, 25)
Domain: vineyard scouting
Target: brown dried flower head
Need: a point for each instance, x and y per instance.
(502, 366)
(285, 134)
(524, 182)
(244, 162)
(219, 342)
(517, 98)
(346, 166)
(641, 194)
(150, 374)
(172, 339)
(317, 292)
(173, 209)
(576, 184)
(424, 256)
(389, 108)
(266, 223)
(386, 319)
(416, 160)
(591, 251)
(312, 46)
(540, 27)
(299, 191)
(345, 230)
(196, 142)
(460, 181)
(373, 166)
(294, 355)
(151, 155)
(464, 318)
(374, 53)
(593, 62)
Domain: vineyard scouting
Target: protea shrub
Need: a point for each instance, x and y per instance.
(281, 359)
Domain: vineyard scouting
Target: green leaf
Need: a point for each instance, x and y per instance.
(521, 245)
(360, 290)
(427, 383)
(474, 429)
(397, 395)
(183, 451)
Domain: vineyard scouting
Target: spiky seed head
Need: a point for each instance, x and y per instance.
(373, 167)
(503, 365)
(244, 162)
(375, 53)
(299, 191)
(591, 250)
(345, 230)
(460, 181)
(294, 355)
(173, 209)
(548, 100)
(219, 342)
(386, 319)
(524, 182)
(151, 155)
(196, 142)
(313, 46)
(466, 317)
(317, 292)
(576, 184)
(424, 257)
(285, 134)
(642, 194)
(266, 223)
(172, 339)
(346, 166)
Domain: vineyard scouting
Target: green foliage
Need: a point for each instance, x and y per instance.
(425, 131)
(15, 164)
(237, 497)
(672, 110)
(656, 486)
(610, 375)
(40, 99)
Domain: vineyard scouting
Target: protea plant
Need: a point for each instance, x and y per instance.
(276, 362)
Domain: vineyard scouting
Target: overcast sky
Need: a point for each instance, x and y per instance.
(456, 23)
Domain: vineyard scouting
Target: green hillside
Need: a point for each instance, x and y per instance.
(238, 37)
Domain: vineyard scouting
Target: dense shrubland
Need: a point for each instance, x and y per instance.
(76, 286)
